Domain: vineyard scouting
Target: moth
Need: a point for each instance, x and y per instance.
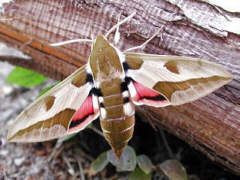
(109, 86)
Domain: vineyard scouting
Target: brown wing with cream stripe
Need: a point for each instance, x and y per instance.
(65, 109)
(178, 79)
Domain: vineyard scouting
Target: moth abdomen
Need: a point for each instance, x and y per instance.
(118, 132)
(116, 114)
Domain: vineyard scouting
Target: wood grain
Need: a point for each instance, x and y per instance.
(211, 124)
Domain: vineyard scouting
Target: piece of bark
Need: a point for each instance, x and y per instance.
(190, 28)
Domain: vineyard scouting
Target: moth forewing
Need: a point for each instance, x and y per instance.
(50, 115)
(179, 79)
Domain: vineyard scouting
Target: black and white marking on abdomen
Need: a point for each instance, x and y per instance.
(97, 92)
(128, 106)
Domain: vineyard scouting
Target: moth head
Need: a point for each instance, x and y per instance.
(104, 59)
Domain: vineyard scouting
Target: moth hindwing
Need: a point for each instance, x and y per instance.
(108, 87)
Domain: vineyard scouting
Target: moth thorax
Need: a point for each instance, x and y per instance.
(104, 59)
(111, 87)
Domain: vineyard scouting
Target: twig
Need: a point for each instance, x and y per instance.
(169, 150)
(83, 154)
(96, 130)
(114, 177)
(145, 114)
(82, 177)
(56, 151)
(70, 168)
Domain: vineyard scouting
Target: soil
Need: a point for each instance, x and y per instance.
(72, 159)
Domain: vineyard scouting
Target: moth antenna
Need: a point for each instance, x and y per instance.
(117, 33)
(118, 24)
(6, 19)
(71, 41)
(142, 46)
(92, 37)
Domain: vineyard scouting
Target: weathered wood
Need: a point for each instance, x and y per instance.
(190, 28)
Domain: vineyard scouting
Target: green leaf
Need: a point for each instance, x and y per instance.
(90, 126)
(138, 174)
(25, 77)
(46, 90)
(174, 170)
(127, 162)
(100, 163)
(145, 163)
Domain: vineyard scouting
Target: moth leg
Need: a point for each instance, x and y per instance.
(142, 46)
(118, 24)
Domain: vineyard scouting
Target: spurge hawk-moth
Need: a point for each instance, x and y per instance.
(109, 86)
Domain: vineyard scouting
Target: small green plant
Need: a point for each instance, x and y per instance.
(25, 77)
(140, 167)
